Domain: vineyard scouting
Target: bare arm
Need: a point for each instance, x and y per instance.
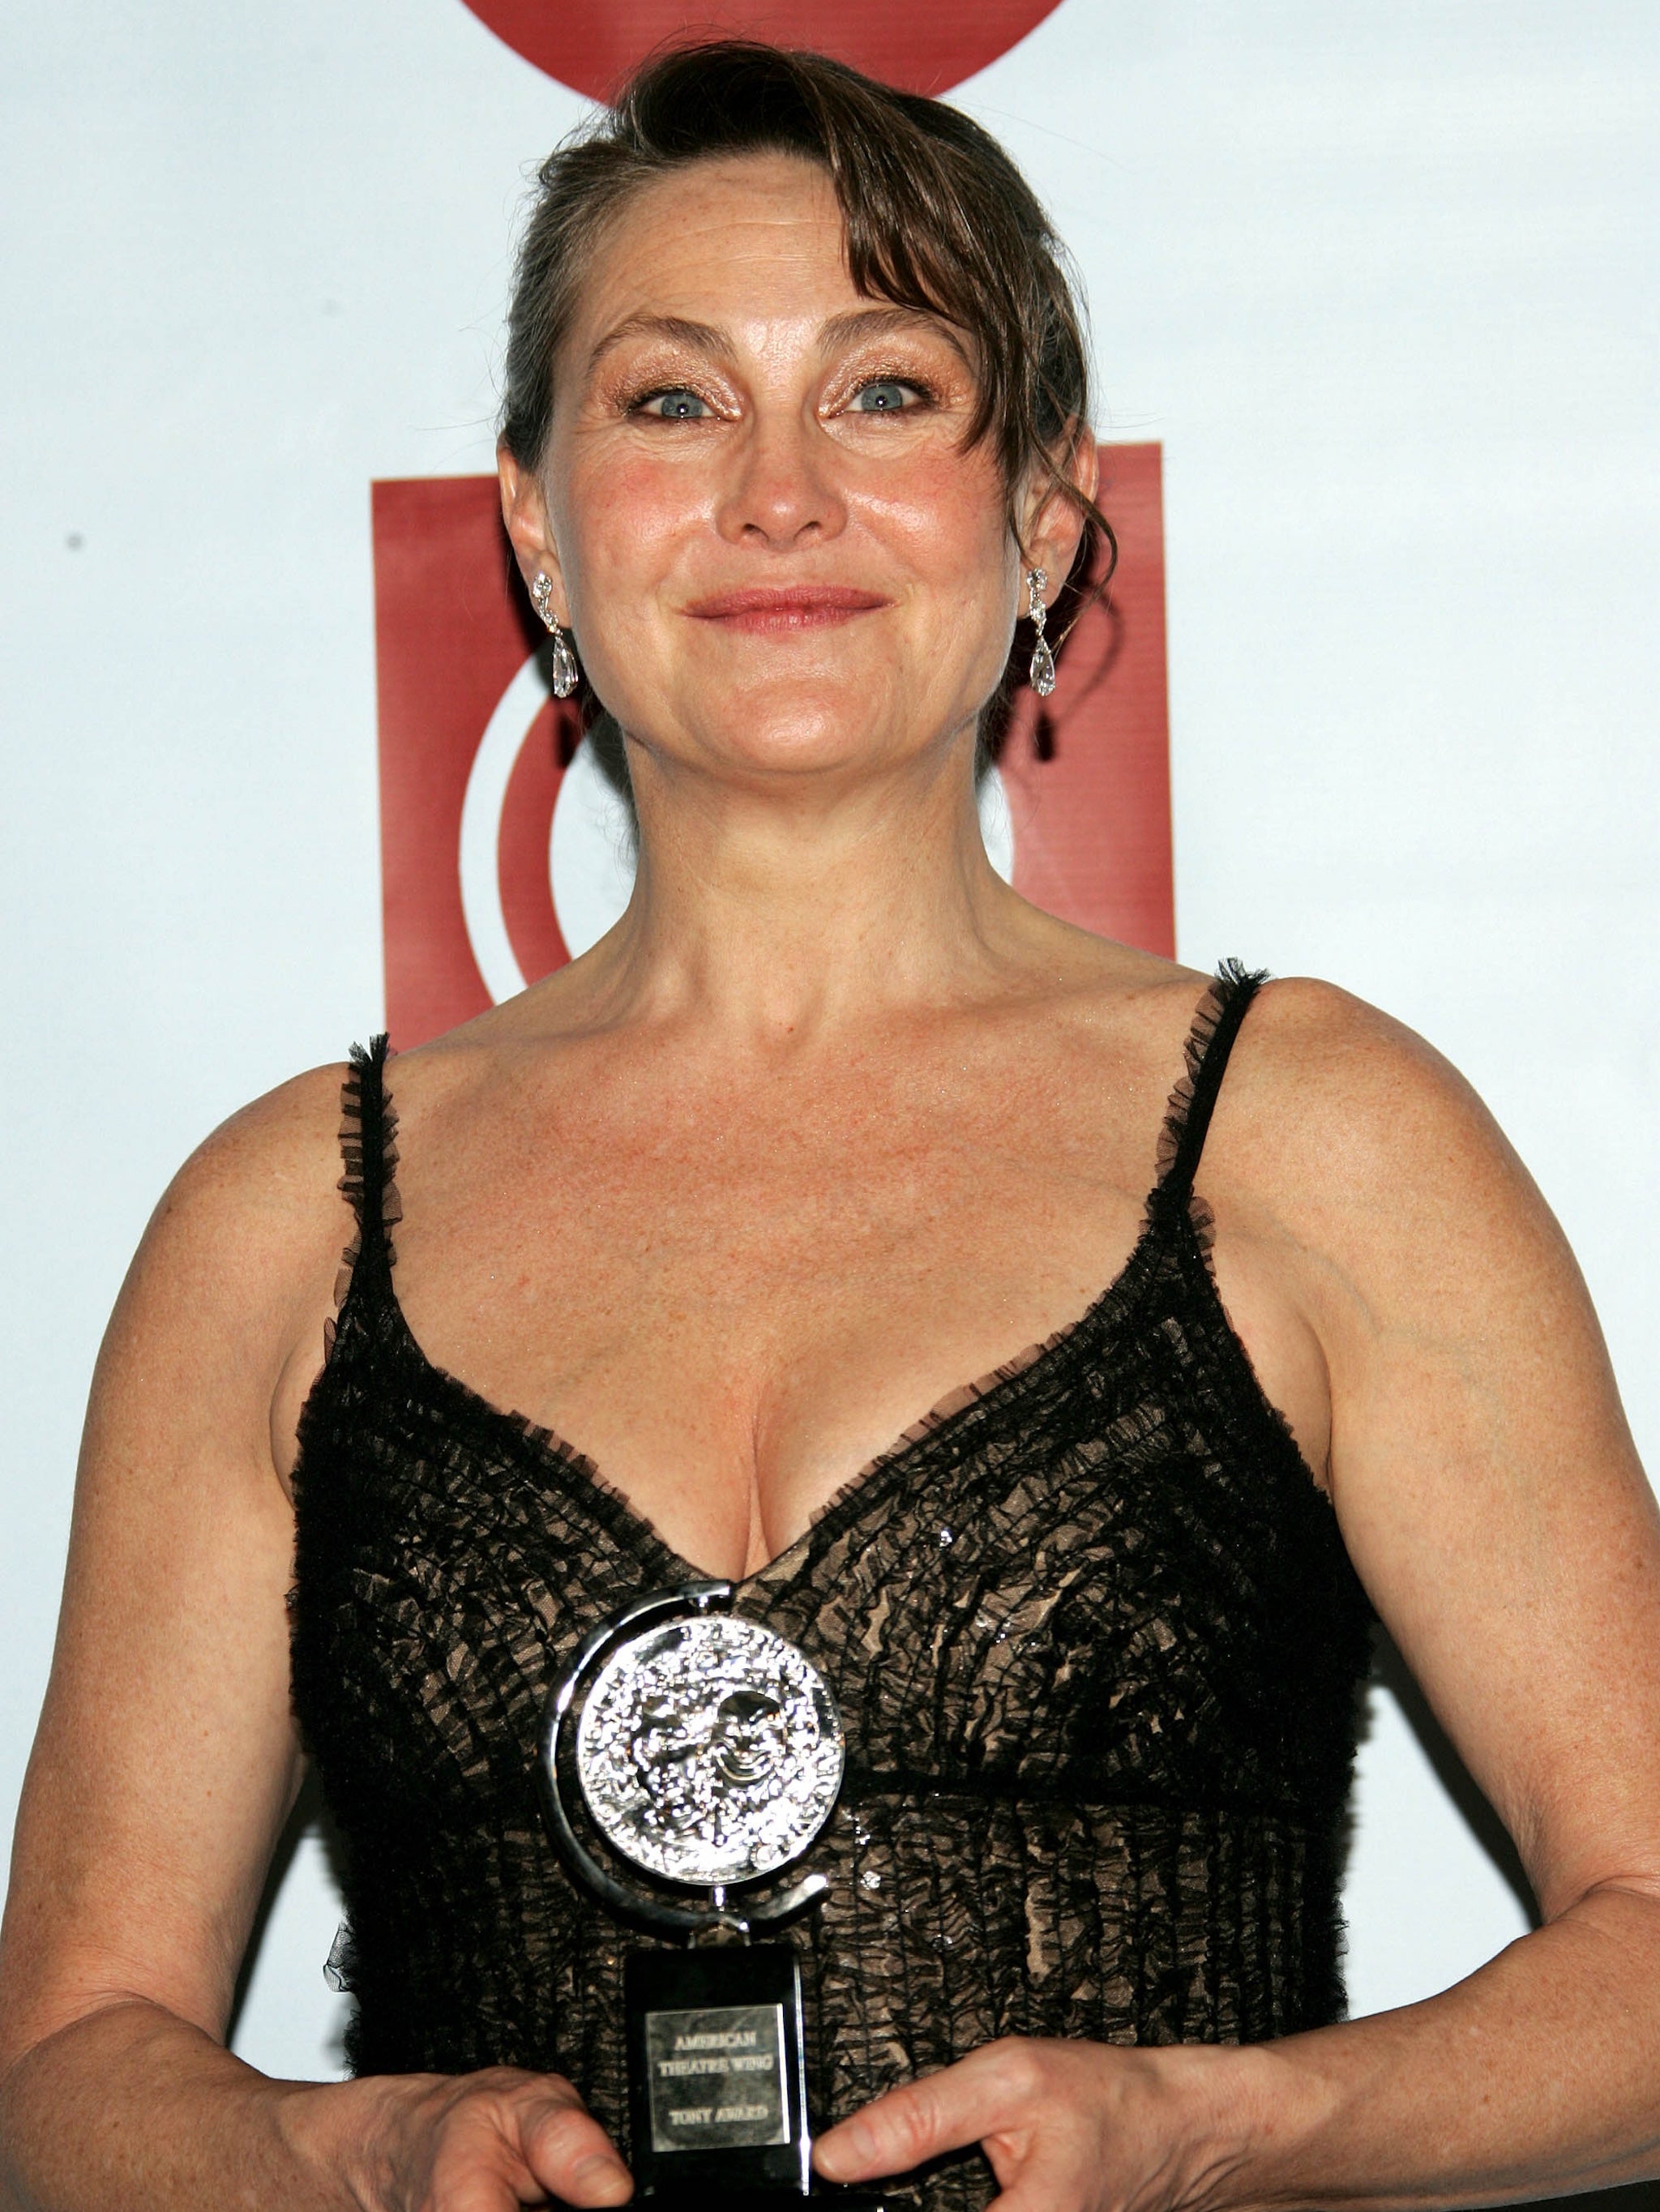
(1490, 1498)
(165, 1764)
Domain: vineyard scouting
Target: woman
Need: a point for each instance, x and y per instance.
(794, 433)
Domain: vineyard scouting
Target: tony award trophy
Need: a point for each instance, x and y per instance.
(706, 1752)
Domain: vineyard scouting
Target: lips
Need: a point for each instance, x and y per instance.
(799, 606)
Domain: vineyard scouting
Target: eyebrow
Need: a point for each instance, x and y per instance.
(841, 330)
(702, 337)
(883, 322)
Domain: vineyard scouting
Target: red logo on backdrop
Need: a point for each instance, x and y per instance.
(592, 45)
(505, 849)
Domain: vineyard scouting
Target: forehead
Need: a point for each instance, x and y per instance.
(755, 238)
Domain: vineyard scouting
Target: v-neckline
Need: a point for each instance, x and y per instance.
(991, 1387)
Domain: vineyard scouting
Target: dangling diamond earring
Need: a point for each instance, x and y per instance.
(565, 675)
(1042, 671)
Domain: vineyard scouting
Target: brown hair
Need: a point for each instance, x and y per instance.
(937, 217)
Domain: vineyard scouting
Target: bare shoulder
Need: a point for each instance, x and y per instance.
(264, 1182)
(1336, 1113)
(1339, 1048)
(227, 1294)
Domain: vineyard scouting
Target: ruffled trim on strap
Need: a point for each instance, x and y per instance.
(1186, 1117)
(368, 1148)
(957, 1401)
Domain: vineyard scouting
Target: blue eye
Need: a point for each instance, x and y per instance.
(886, 396)
(676, 406)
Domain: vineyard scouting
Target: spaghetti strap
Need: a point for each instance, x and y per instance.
(368, 1150)
(1193, 1101)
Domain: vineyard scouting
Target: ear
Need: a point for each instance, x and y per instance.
(1052, 524)
(524, 512)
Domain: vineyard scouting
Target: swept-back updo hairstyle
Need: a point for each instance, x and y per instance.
(937, 216)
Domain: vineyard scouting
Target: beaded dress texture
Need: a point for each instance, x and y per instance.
(1092, 1628)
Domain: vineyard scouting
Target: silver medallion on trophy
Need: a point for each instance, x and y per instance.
(705, 1751)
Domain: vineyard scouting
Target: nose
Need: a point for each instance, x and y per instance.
(782, 492)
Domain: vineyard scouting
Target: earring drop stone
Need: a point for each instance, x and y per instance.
(562, 673)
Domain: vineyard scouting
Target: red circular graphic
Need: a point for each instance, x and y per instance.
(592, 45)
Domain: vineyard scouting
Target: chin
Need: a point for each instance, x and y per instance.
(802, 729)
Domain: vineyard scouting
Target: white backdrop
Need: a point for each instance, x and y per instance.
(1381, 277)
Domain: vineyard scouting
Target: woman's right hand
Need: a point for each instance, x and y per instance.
(487, 2143)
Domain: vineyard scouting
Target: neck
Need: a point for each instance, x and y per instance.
(790, 910)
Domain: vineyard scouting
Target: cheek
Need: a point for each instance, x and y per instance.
(630, 518)
(944, 519)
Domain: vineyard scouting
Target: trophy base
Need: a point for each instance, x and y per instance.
(717, 2086)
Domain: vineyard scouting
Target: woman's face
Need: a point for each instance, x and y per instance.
(757, 508)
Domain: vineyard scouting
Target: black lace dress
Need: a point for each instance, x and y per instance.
(1092, 1629)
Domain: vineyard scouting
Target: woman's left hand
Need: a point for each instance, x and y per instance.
(1067, 2126)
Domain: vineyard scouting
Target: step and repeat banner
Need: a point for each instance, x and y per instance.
(1374, 697)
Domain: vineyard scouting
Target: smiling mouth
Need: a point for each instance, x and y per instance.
(807, 606)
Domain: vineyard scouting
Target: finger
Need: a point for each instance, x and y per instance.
(570, 2154)
(942, 2111)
